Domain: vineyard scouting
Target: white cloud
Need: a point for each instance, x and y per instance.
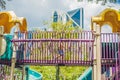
(91, 9)
(37, 11)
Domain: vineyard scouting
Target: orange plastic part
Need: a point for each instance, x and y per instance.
(8, 20)
(108, 16)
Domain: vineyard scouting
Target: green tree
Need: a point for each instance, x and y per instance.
(60, 72)
(68, 26)
(3, 4)
(63, 27)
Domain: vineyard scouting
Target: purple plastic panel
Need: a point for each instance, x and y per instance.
(110, 55)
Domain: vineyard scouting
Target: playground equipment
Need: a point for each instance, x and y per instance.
(9, 19)
(87, 75)
(112, 18)
(108, 16)
(109, 47)
(77, 51)
(87, 48)
(33, 75)
(7, 54)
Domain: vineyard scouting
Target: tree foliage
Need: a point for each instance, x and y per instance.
(3, 4)
(66, 73)
(68, 26)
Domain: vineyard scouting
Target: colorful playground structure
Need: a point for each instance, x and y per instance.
(9, 21)
(99, 51)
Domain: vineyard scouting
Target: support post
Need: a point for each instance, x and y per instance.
(13, 61)
(1, 37)
(94, 75)
(98, 52)
(27, 73)
(57, 72)
(23, 73)
(12, 68)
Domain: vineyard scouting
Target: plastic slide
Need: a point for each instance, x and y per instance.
(33, 75)
(87, 75)
(6, 47)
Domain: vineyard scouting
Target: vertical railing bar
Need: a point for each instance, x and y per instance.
(39, 46)
(77, 48)
(36, 49)
(37, 53)
(113, 51)
(33, 48)
(71, 48)
(107, 44)
(110, 46)
(89, 47)
(65, 51)
(74, 48)
(41, 51)
(92, 55)
(106, 50)
(84, 48)
(42, 59)
(116, 45)
(104, 46)
(81, 48)
(109, 55)
(31, 58)
(52, 48)
(47, 47)
(51, 58)
(47, 50)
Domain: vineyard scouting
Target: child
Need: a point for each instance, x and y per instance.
(60, 51)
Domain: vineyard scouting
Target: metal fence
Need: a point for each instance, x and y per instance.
(52, 48)
(68, 48)
(110, 50)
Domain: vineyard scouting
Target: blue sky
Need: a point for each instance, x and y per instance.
(38, 11)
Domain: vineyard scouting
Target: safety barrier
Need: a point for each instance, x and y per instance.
(110, 50)
(53, 48)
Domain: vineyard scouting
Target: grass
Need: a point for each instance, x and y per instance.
(66, 73)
